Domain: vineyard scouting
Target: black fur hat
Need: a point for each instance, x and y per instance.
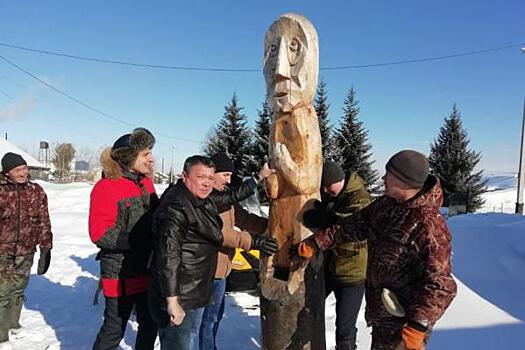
(128, 146)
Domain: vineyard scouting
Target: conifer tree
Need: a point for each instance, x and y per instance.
(231, 136)
(351, 142)
(454, 163)
(259, 147)
(321, 109)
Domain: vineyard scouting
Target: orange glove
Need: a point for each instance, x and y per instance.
(412, 338)
(305, 250)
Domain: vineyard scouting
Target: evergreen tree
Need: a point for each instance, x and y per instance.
(259, 148)
(351, 142)
(321, 109)
(231, 136)
(454, 163)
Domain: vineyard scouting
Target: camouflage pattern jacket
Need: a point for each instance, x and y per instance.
(346, 264)
(409, 253)
(120, 213)
(24, 218)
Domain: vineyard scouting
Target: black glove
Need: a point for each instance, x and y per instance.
(319, 205)
(319, 218)
(44, 261)
(267, 245)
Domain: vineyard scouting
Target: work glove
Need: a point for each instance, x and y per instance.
(44, 261)
(413, 339)
(319, 218)
(305, 249)
(265, 244)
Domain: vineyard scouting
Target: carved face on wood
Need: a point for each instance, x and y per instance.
(291, 62)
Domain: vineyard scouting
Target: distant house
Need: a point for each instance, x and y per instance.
(32, 163)
(81, 165)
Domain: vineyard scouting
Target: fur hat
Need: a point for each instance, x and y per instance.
(128, 146)
(222, 162)
(332, 173)
(10, 161)
(410, 167)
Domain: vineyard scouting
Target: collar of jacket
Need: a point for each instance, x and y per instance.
(5, 181)
(135, 177)
(431, 195)
(196, 202)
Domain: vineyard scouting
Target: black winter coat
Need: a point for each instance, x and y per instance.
(187, 235)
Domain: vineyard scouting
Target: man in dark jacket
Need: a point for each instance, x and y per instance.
(240, 229)
(409, 253)
(120, 225)
(24, 224)
(345, 266)
(187, 230)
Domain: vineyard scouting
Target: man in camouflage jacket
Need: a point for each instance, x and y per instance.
(24, 224)
(409, 252)
(345, 265)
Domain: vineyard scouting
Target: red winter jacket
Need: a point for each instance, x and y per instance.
(120, 225)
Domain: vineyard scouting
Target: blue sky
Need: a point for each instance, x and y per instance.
(402, 106)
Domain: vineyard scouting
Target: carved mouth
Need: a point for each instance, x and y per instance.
(280, 94)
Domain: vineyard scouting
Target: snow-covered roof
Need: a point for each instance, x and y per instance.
(6, 146)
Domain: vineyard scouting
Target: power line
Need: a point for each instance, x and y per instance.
(237, 70)
(144, 65)
(91, 108)
(427, 59)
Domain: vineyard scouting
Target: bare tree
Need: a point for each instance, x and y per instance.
(63, 155)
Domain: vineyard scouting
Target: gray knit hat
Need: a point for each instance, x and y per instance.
(332, 173)
(128, 146)
(411, 167)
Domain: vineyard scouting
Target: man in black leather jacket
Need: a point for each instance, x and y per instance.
(187, 235)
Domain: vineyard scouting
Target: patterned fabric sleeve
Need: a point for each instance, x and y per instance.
(46, 236)
(438, 287)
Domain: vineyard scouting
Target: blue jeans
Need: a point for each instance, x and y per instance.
(204, 328)
(177, 337)
(171, 337)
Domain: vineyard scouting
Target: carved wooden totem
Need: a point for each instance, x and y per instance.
(292, 300)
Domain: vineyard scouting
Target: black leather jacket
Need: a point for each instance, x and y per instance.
(187, 234)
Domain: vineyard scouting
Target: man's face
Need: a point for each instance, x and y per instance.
(394, 188)
(199, 180)
(291, 60)
(221, 180)
(334, 189)
(144, 162)
(19, 174)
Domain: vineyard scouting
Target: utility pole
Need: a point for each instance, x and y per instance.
(521, 170)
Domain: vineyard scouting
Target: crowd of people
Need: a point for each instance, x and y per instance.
(167, 258)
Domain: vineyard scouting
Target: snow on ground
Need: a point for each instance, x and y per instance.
(488, 313)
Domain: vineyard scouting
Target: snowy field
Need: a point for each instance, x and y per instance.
(488, 313)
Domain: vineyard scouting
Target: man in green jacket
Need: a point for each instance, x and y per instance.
(345, 266)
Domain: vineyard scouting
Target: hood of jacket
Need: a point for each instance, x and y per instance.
(110, 167)
(430, 196)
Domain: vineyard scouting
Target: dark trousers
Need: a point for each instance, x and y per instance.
(387, 335)
(116, 316)
(347, 304)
